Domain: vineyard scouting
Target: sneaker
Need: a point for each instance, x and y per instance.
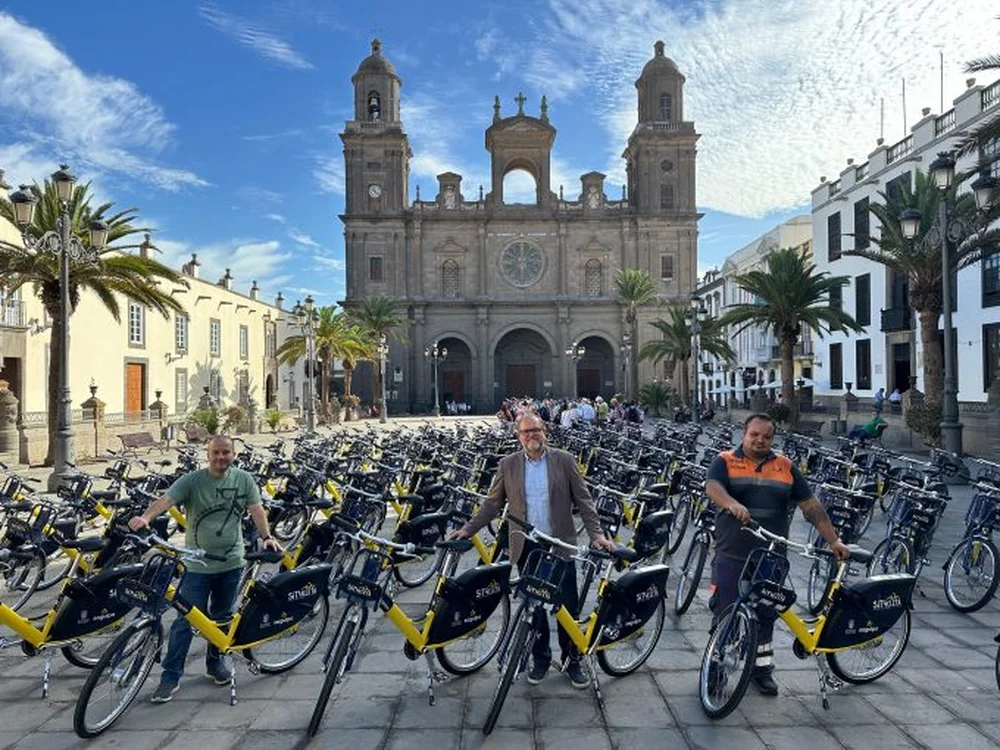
(220, 675)
(574, 672)
(537, 672)
(764, 682)
(164, 693)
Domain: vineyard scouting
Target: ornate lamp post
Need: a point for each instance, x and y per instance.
(306, 318)
(695, 315)
(436, 356)
(63, 243)
(575, 353)
(947, 230)
(626, 351)
(383, 353)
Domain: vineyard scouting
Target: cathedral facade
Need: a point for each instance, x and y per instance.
(520, 295)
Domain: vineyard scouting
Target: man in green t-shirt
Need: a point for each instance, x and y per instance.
(214, 502)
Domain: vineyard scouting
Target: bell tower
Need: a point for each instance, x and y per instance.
(660, 156)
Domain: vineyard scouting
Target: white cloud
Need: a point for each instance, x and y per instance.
(253, 194)
(264, 261)
(432, 126)
(273, 136)
(302, 238)
(59, 112)
(777, 93)
(329, 173)
(334, 264)
(276, 217)
(254, 36)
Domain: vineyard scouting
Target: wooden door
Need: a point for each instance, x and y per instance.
(135, 376)
(520, 380)
(588, 383)
(453, 386)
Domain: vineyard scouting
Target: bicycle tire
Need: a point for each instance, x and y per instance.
(682, 516)
(87, 652)
(841, 666)
(743, 647)
(516, 652)
(332, 676)
(690, 574)
(821, 574)
(450, 663)
(652, 627)
(57, 567)
(415, 573)
(984, 551)
(996, 667)
(290, 524)
(139, 640)
(865, 522)
(374, 518)
(893, 555)
(316, 620)
(21, 577)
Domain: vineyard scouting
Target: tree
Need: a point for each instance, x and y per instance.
(635, 288)
(983, 138)
(675, 344)
(113, 275)
(919, 260)
(789, 296)
(378, 317)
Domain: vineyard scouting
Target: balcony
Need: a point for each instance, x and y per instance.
(798, 351)
(897, 319)
(12, 314)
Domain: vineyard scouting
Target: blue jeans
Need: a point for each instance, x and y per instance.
(198, 589)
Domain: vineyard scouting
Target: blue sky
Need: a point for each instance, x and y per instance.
(219, 120)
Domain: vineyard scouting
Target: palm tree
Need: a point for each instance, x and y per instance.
(982, 138)
(635, 288)
(114, 273)
(789, 296)
(378, 316)
(676, 341)
(920, 261)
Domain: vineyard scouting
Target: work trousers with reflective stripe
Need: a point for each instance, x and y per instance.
(726, 576)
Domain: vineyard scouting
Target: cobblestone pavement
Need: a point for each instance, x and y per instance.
(942, 693)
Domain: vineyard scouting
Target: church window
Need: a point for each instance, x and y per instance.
(592, 281)
(375, 272)
(667, 267)
(451, 279)
(666, 107)
(666, 196)
(374, 106)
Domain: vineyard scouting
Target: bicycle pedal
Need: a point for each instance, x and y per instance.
(440, 677)
(834, 683)
(253, 667)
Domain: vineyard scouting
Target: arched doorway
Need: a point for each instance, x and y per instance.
(455, 373)
(595, 372)
(522, 365)
(269, 400)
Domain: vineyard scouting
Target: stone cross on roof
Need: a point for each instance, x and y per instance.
(520, 99)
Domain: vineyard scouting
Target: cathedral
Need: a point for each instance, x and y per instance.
(521, 296)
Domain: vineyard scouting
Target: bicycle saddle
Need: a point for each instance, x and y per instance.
(264, 555)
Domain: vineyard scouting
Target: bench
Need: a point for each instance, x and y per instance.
(195, 433)
(133, 441)
(809, 427)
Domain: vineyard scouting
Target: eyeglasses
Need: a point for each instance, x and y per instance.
(532, 431)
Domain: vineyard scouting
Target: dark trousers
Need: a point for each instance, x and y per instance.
(542, 651)
(212, 593)
(726, 575)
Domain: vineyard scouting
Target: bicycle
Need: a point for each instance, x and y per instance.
(458, 618)
(860, 620)
(694, 561)
(970, 572)
(615, 632)
(291, 603)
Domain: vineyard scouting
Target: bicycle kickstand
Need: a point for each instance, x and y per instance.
(232, 682)
(826, 680)
(46, 673)
(592, 664)
(433, 675)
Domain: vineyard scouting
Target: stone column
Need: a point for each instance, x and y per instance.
(207, 400)
(848, 405)
(93, 414)
(8, 422)
(252, 426)
(158, 411)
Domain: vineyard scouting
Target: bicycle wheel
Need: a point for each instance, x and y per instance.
(57, 567)
(682, 514)
(293, 645)
(374, 518)
(970, 574)
(871, 660)
(290, 523)
(892, 556)
(821, 574)
(690, 576)
(865, 521)
(334, 671)
(117, 678)
(996, 667)
(418, 571)
(86, 652)
(517, 652)
(628, 654)
(728, 662)
(472, 652)
(20, 575)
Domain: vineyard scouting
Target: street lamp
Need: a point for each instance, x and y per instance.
(626, 350)
(383, 353)
(66, 245)
(695, 315)
(306, 318)
(948, 229)
(436, 356)
(575, 353)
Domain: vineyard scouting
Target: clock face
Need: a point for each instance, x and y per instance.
(521, 264)
(375, 191)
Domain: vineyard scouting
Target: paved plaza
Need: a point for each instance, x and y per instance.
(941, 694)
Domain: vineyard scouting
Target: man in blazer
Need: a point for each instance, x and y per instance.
(542, 485)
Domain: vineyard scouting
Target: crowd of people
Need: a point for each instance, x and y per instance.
(567, 412)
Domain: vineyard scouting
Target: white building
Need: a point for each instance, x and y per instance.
(757, 357)
(889, 350)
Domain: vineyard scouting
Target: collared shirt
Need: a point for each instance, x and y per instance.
(536, 492)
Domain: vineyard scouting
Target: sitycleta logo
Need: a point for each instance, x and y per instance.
(539, 593)
(491, 589)
(358, 589)
(648, 595)
(892, 601)
(306, 592)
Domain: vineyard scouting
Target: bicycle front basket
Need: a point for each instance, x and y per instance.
(148, 590)
(764, 575)
(542, 577)
(28, 526)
